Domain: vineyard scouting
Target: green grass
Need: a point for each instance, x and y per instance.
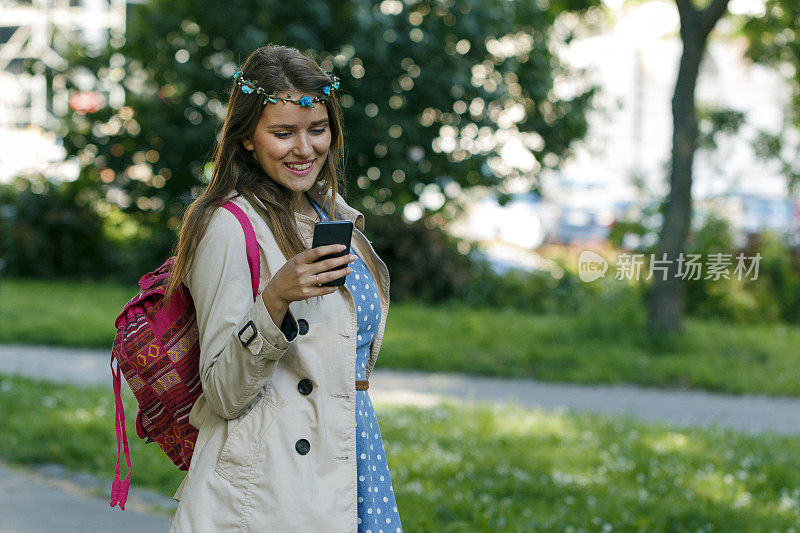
(604, 343)
(480, 468)
(62, 313)
(594, 346)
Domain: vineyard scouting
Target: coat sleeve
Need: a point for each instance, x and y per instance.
(240, 344)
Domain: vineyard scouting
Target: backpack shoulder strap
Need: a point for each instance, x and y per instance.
(251, 243)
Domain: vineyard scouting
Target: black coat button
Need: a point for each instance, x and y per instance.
(302, 446)
(305, 386)
(302, 326)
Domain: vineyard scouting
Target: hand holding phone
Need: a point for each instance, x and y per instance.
(296, 279)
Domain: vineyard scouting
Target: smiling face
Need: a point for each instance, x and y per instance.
(291, 134)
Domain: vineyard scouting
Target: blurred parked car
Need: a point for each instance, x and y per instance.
(579, 225)
(750, 214)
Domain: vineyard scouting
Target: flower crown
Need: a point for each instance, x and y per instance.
(250, 86)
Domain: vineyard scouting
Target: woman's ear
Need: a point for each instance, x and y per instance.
(248, 144)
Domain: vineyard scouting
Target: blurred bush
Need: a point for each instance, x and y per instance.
(773, 295)
(777, 289)
(612, 306)
(61, 230)
(709, 297)
(424, 262)
(46, 232)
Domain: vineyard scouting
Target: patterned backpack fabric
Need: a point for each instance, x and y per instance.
(157, 350)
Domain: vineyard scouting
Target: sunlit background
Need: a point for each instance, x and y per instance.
(491, 145)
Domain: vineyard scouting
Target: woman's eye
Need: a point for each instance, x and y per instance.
(283, 135)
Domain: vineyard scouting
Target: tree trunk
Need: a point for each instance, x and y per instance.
(666, 304)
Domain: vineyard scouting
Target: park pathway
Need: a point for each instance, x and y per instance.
(40, 502)
(22, 492)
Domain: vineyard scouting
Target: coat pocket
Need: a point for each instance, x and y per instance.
(244, 437)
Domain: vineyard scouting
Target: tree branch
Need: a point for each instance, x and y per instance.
(709, 16)
(685, 9)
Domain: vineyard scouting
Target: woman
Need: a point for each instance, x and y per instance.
(288, 439)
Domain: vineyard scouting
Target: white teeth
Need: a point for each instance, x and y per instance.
(299, 167)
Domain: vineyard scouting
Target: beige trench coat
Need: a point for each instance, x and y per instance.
(246, 472)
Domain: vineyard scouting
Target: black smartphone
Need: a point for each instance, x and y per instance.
(333, 232)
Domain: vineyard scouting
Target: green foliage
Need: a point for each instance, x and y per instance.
(774, 294)
(713, 122)
(769, 292)
(644, 227)
(482, 467)
(49, 230)
(771, 40)
(777, 290)
(707, 297)
(516, 289)
(405, 76)
(428, 265)
(61, 230)
(424, 262)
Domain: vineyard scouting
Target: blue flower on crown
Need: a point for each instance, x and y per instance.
(247, 89)
(336, 84)
(327, 90)
(237, 74)
(306, 101)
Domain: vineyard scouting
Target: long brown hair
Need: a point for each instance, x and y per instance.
(272, 67)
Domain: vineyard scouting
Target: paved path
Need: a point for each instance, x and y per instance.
(34, 503)
(749, 413)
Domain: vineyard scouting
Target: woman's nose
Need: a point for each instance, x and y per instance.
(303, 145)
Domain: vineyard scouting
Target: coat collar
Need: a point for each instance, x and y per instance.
(343, 210)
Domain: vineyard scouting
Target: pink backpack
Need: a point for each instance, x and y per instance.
(157, 350)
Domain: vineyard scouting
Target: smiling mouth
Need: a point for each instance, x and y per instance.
(300, 166)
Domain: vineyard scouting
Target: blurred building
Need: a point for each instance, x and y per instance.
(508, 234)
(31, 102)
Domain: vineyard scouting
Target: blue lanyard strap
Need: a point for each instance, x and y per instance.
(316, 207)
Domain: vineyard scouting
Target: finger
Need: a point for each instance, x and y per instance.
(333, 262)
(319, 251)
(321, 290)
(325, 277)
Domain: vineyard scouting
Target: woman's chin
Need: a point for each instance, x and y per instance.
(301, 186)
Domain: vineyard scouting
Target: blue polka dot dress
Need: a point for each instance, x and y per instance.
(377, 508)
